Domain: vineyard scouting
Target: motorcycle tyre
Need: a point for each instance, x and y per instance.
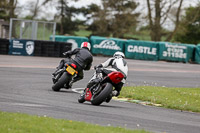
(61, 81)
(103, 94)
(81, 99)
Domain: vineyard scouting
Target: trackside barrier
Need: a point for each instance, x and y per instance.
(176, 52)
(75, 41)
(21, 47)
(142, 50)
(51, 49)
(106, 46)
(4, 46)
(133, 49)
(197, 54)
(38, 48)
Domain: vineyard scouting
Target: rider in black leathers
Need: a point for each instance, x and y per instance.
(83, 60)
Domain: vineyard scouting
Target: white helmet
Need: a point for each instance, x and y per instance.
(119, 54)
(86, 44)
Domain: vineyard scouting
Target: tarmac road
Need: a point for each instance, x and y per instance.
(25, 86)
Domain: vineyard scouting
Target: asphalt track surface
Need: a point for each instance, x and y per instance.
(25, 87)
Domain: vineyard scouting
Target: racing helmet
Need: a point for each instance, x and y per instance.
(86, 44)
(119, 54)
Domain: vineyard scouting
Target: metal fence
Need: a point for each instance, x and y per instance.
(31, 29)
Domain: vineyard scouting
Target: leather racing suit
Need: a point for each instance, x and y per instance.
(116, 64)
(83, 60)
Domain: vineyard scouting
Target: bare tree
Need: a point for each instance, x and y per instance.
(158, 11)
(61, 7)
(35, 9)
(7, 9)
(177, 21)
(115, 18)
(12, 7)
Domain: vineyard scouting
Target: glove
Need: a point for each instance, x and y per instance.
(66, 54)
(98, 66)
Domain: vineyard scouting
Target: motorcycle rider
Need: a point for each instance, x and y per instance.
(117, 63)
(83, 60)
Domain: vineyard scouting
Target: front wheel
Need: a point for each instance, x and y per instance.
(107, 90)
(81, 99)
(61, 81)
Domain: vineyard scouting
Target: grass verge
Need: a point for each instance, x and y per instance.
(175, 98)
(23, 123)
(83, 32)
(187, 99)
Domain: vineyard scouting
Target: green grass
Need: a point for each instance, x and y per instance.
(140, 35)
(187, 99)
(23, 123)
(143, 35)
(175, 98)
(43, 31)
(83, 33)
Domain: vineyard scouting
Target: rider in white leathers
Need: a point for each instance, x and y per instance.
(116, 63)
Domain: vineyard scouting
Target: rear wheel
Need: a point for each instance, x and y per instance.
(60, 83)
(107, 90)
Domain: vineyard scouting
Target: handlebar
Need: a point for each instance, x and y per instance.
(67, 55)
(98, 69)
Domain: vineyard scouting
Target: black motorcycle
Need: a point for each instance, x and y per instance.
(64, 76)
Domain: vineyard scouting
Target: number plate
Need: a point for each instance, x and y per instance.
(70, 70)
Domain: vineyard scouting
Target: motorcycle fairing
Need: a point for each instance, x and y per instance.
(116, 77)
(88, 95)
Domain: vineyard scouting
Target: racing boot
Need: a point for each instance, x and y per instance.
(114, 93)
(55, 73)
(69, 86)
(54, 76)
(58, 69)
(74, 79)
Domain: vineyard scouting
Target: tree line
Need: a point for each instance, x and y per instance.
(120, 18)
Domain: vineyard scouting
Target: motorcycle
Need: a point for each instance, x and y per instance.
(100, 88)
(64, 75)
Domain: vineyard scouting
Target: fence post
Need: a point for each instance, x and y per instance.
(10, 28)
